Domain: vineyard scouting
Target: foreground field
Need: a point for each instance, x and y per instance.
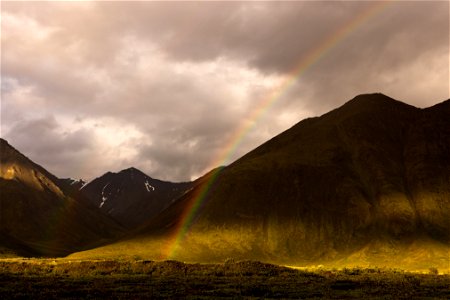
(51, 279)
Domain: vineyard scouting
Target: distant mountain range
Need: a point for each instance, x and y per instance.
(72, 184)
(131, 197)
(44, 215)
(367, 183)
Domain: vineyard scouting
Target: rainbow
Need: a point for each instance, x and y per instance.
(306, 61)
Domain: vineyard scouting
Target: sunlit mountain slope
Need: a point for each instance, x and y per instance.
(37, 217)
(367, 183)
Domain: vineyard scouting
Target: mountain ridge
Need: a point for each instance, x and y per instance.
(367, 183)
(37, 215)
(372, 173)
(130, 196)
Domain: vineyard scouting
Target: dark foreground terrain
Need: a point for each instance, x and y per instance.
(51, 279)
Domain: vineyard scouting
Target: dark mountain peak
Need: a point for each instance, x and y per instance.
(130, 196)
(373, 98)
(125, 174)
(368, 109)
(8, 152)
(133, 171)
(373, 103)
(366, 117)
(443, 107)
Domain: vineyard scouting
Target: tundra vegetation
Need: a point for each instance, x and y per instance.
(137, 278)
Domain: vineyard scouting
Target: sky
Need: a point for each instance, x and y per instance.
(90, 87)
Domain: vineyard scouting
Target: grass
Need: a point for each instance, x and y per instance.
(118, 279)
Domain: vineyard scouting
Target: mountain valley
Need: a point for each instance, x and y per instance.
(366, 184)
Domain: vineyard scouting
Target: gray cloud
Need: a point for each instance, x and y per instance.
(46, 143)
(96, 86)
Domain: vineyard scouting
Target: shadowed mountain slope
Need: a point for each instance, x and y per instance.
(71, 185)
(369, 181)
(37, 217)
(131, 197)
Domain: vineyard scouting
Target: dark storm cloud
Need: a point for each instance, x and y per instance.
(164, 85)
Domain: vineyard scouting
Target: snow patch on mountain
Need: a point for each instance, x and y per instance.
(104, 198)
(148, 186)
(85, 184)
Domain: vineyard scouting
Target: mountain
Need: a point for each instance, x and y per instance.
(72, 184)
(37, 217)
(365, 184)
(131, 197)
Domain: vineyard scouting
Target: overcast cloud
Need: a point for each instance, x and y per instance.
(91, 87)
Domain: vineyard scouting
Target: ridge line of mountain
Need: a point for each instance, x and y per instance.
(368, 183)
